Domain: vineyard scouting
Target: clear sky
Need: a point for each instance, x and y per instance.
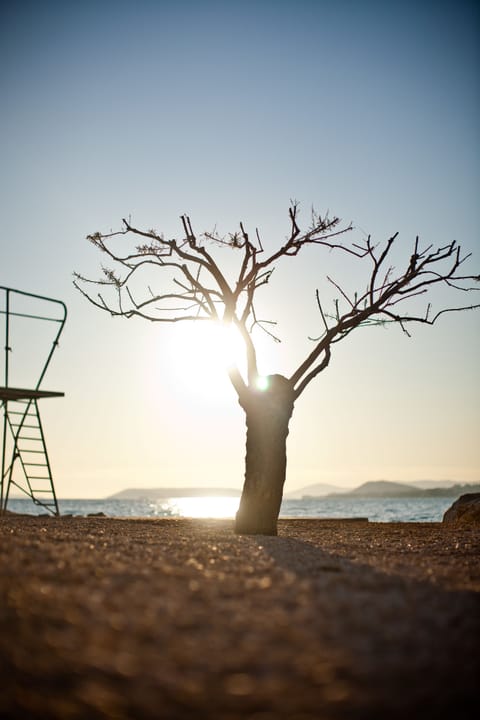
(226, 111)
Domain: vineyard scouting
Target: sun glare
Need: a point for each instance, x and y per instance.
(262, 382)
(212, 343)
(201, 353)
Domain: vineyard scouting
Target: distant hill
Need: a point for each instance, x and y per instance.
(165, 492)
(428, 484)
(316, 490)
(386, 488)
(382, 488)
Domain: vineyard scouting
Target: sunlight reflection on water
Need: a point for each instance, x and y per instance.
(211, 506)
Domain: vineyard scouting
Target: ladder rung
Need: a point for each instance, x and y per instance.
(41, 491)
(26, 450)
(25, 437)
(24, 425)
(36, 464)
(23, 414)
(37, 477)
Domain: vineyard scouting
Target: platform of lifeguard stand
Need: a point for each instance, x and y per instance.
(25, 462)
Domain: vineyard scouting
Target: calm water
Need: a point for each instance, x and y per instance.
(376, 510)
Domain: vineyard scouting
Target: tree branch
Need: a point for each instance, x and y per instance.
(192, 285)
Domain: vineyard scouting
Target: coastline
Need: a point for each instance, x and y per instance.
(377, 510)
(178, 618)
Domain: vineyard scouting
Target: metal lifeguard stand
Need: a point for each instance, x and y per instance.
(25, 462)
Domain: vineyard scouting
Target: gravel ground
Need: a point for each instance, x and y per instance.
(180, 619)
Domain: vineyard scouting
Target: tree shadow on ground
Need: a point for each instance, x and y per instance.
(411, 646)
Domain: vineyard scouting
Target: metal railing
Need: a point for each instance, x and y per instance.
(21, 412)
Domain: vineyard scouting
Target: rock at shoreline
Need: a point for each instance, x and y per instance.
(464, 510)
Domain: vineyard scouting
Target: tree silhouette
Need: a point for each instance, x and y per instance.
(193, 286)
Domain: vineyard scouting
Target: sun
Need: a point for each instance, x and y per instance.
(201, 353)
(216, 345)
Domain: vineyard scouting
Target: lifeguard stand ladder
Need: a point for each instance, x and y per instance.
(23, 441)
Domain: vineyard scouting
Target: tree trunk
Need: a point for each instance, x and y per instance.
(267, 416)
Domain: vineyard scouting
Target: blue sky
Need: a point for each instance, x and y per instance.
(226, 111)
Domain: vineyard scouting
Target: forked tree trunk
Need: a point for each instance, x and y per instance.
(268, 414)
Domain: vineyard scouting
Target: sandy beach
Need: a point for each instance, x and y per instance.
(136, 619)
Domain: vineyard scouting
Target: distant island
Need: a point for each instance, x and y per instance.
(387, 488)
(169, 492)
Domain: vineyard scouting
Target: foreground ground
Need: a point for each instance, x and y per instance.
(181, 619)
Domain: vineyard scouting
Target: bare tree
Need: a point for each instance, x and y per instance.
(194, 287)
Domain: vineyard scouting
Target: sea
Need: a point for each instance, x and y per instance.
(382, 510)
